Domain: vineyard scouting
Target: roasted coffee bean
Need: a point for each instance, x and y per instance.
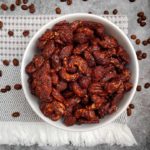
(4, 7)
(10, 33)
(58, 10)
(139, 54)
(139, 20)
(143, 17)
(63, 0)
(69, 2)
(133, 36)
(144, 43)
(25, 33)
(115, 11)
(18, 86)
(1, 24)
(131, 106)
(140, 14)
(18, 2)
(32, 8)
(24, 7)
(15, 114)
(142, 24)
(131, 0)
(15, 62)
(6, 62)
(147, 85)
(129, 112)
(144, 55)
(139, 88)
(1, 73)
(90, 12)
(137, 41)
(3, 90)
(25, 1)
(8, 87)
(106, 12)
(148, 40)
(12, 7)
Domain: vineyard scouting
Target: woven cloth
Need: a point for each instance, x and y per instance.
(14, 47)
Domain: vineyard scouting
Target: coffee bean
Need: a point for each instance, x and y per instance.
(147, 85)
(129, 112)
(69, 2)
(12, 7)
(4, 7)
(139, 20)
(63, 0)
(133, 37)
(131, 106)
(115, 11)
(1, 24)
(106, 12)
(1, 73)
(140, 14)
(25, 1)
(18, 2)
(32, 8)
(137, 41)
(24, 7)
(139, 54)
(142, 24)
(15, 114)
(148, 40)
(132, 0)
(18, 86)
(139, 88)
(25, 33)
(8, 87)
(15, 62)
(10, 33)
(144, 55)
(6, 62)
(3, 90)
(143, 17)
(144, 43)
(58, 10)
(90, 12)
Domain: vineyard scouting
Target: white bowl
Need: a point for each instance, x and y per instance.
(111, 29)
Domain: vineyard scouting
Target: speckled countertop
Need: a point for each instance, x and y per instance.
(139, 122)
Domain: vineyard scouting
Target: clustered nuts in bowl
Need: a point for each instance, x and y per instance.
(79, 72)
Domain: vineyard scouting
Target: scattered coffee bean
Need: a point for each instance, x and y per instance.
(144, 55)
(139, 88)
(90, 12)
(147, 85)
(12, 7)
(8, 87)
(1, 24)
(25, 33)
(32, 8)
(131, 106)
(25, 1)
(10, 33)
(15, 114)
(115, 11)
(58, 10)
(4, 7)
(142, 24)
(139, 55)
(63, 0)
(143, 17)
(132, 0)
(6, 62)
(139, 20)
(140, 14)
(133, 37)
(137, 41)
(129, 112)
(69, 2)
(1, 73)
(3, 90)
(18, 2)
(15, 62)
(18, 86)
(148, 40)
(24, 7)
(106, 12)
(144, 43)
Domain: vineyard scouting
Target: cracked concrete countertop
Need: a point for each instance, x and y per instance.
(139, 122)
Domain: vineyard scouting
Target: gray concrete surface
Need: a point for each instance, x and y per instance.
(139, 122)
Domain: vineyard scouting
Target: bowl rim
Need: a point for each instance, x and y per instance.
(100, 19)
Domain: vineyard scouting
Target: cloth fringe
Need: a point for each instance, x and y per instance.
(30, 133)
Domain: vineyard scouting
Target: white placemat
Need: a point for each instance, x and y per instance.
(20, 130)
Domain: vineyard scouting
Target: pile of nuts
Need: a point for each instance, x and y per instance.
(80, 72)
